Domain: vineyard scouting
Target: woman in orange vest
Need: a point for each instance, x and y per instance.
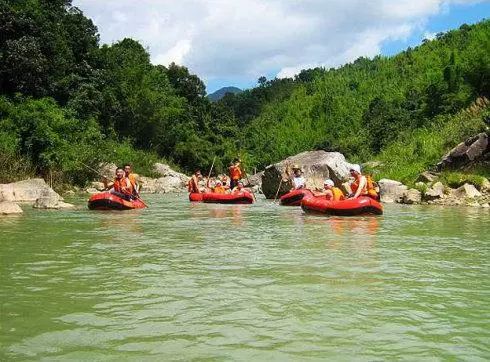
(361, 186)
(235, 172)
(332, 193)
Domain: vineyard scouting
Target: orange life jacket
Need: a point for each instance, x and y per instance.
(123, 185)
(219, 190)
(235, 173)
(132, 179)
(370, 187)
(355, 185)
(337, 194)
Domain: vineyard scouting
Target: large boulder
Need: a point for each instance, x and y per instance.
(316, 166)
(26, 191)
(473, 149)
(254, 180)
(162, 185)
(8, 207)
(391, 190)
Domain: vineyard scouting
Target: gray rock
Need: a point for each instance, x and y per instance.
(473, 149)
(435, 192)
(467, 191)
(92, 190)
(391, 191)
(107, 169)
(485, 187)
(427, 177)
(254, 180)
(8, 207)
(412, 196)
(316, 166)
(51, 203)
(26, 191)
(486, 205)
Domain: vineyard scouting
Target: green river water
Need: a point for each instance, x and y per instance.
(182, 281)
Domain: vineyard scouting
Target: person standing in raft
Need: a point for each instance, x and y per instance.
(297, 178)
(193, 184)
(132, 177)
(331, 192)
(362, 185)
(235, 172)
(120, 186)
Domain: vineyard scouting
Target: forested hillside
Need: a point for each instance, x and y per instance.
(66, 101)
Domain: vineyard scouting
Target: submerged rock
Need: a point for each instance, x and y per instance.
(51, 203)
(8, 207)
(316, 167)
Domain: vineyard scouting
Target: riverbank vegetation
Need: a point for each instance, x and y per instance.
(67, 101)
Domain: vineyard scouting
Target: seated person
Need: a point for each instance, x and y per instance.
(238, 188)
(362, 185)
(121, 185)
(297, 178)
(193, 184)
(331, 192)
(218, 187)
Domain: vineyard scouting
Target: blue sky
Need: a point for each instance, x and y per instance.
(233, 43)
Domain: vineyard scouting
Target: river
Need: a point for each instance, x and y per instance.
(182, 281)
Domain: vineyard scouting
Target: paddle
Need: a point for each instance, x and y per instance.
(277, 192)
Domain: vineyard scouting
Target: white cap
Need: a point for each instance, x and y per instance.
(356, 168)
(218, 181)
(329, 182)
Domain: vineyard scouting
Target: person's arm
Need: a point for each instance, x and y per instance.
(362, 184)
(106, 183)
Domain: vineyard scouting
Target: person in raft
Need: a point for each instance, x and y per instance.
(238, 188)
(132, 177)
(362, 185)
(218, 186)
(331, 192)
(235, 172)
(193, 184)
(121, 185)
(297, 178)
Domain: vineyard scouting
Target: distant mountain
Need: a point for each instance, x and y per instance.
(220, 93)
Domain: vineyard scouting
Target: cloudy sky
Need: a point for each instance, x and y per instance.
(234, 42)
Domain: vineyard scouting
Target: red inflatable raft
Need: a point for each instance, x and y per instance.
(361, 206)
(195, 197)
(293, 198)
(236, 198)
(109, 201)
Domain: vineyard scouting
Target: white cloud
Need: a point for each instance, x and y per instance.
(249, 38)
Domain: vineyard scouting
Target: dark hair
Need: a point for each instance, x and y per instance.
(236, 160)
(127, 164)
(119, 168)
(197, 170)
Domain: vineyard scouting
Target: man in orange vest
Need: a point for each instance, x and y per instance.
(361, 186)
(193, 184)
(235, 172)
(121, 185)
(132, 177)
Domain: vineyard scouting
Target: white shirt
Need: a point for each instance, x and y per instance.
(298, 182)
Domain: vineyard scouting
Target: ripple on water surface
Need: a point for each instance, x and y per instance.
(182, 281)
